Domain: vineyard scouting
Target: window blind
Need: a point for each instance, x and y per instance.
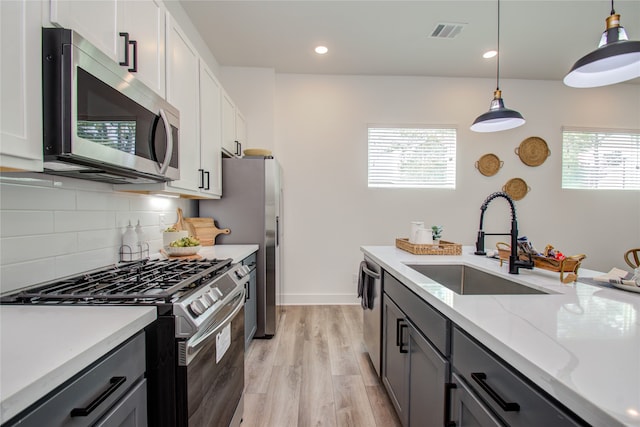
(414, 157)
(120, 135)
(600, 159)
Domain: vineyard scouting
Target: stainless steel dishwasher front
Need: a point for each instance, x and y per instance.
(372, 315)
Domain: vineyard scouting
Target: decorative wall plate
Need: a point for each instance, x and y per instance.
(516, 188)
(533, 151)
(489, 164)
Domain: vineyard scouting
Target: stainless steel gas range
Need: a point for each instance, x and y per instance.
(194, 350)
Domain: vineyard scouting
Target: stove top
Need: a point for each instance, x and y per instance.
(140, 282)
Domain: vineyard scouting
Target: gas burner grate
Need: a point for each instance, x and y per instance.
(146, 281)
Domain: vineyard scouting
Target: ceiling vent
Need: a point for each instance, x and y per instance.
(446, 31)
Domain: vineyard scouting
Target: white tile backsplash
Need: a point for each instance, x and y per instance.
(55, 226)
(23, 223)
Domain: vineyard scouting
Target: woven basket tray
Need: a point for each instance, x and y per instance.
(443, 248)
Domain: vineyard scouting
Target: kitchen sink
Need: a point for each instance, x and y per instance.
(465, 280)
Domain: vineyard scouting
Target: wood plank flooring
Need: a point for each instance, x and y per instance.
(315, 372)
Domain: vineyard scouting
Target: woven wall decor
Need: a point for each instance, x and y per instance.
(533, 151)
(516, 188)
(489, 164)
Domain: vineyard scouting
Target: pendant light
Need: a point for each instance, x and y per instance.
(615, 60)
(498, 117)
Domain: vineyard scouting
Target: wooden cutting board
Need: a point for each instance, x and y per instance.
(203, 229)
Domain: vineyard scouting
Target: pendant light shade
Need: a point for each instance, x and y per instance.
(617, 59)
(498, 117)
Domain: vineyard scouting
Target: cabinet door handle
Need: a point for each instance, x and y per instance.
(481, 379)
(201, 171)
(134, 69)
(114, 383)
(402, 344)
(398, 322)
(208, 183)
(238, 148)
(448, 390)
(125, 63)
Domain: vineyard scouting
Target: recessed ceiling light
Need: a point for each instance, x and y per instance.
(489, 54)
(321, 50)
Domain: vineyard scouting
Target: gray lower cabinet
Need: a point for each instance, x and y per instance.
(466, 409)
(112, 392)
(502, 391)
(250, 302)
(414, 372)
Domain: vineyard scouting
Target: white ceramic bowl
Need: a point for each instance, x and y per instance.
(172, 236)
(186, 251)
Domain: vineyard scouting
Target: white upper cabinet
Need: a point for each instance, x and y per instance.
(234, 127)
(132, 33)
(210, 133)
(97, 21)
(21, 74)
(182, 93)
(145, 23)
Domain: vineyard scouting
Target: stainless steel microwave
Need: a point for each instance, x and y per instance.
(99, 122)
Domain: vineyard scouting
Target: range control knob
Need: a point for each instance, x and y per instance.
(209, 298)
(205, 302)
(214, 297)
(197, 307)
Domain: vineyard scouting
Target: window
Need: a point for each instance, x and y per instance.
(600, 159)
(416, 157)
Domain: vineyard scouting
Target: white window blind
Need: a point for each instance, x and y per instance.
(600, 159)
(413, 157)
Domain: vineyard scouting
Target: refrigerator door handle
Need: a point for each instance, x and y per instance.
(277, 231)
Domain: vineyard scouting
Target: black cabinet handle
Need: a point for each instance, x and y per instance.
(208, 183)
(114, 383)
(402, 344)
(448, 387)
(125, 63)
(201, 171)
(398, 322)
(238, 148)
(481, 378)
(134, 69)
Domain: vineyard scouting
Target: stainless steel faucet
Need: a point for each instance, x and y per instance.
(515, 264)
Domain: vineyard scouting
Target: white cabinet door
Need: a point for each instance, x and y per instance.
(94, 20)
(144, 20)
(229, 141)
(21, 101)
(241, 131)
(210, 133)
(182, 93)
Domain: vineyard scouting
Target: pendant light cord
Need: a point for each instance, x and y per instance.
(613, 12)
(498, 47)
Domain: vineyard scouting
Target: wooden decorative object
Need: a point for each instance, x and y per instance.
(443, 248)
(533, 151)
(203, 229)
(568, 266)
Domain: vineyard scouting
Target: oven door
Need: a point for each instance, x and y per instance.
(211, 369)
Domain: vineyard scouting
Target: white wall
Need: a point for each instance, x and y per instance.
(52, 227)
(321, 142)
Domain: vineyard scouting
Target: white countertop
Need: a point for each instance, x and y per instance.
(580, 343)
(235, 252)
(43, 346)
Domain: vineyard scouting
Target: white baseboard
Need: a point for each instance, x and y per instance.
(320, 299)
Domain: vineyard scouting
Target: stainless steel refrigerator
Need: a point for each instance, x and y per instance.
(251, 208)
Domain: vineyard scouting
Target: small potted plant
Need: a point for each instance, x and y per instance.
(436, 232)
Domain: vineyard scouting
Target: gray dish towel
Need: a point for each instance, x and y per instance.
(365, 287)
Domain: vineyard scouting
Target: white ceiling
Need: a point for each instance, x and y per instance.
(538, 39)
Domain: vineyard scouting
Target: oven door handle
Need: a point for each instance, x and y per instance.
(199, 342)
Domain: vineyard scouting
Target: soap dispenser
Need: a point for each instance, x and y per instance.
(141, 244)
(129, 249)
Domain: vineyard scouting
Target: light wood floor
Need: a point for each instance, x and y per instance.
(315, 372)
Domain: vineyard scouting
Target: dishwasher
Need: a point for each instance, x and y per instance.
(371, 278)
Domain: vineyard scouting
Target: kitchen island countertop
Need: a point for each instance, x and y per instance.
(41, 346)
(580, 343)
